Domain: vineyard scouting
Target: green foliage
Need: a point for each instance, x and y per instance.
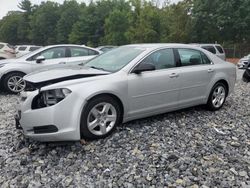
(176, 22)
(118, 22)
(221, 20)
(147, 25)
(43, 23)
(10, 27)
(69, 14)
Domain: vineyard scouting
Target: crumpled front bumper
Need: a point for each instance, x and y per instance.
(56, 123)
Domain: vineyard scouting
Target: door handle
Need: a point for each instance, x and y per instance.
(210, 70)
(62, 63)
(173, 75)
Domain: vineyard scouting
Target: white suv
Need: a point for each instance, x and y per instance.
(25, 49)
(6, 51)
(216, 49)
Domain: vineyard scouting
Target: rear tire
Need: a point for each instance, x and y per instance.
(217, 97)
(14, 83)
(100, 117)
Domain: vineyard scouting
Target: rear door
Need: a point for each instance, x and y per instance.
(196, 72)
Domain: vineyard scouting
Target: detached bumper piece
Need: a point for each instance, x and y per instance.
(17, 120)
(45, 129)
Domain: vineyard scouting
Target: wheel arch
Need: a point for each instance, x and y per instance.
(10, 72)
(218, 81)
(115, 97)
(223, 81)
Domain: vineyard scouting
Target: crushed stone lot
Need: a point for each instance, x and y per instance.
(192, 147)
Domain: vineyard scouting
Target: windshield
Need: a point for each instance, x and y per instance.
(115, 59)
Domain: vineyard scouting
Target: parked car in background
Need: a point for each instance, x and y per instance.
(105, 48)
(25, 49)
(216, 49)
(244, 62)
(246, 74)
(126, 83)
(6, 51)
(13, 70)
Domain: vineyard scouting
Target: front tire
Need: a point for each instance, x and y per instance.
(217, 97)
(14, 83)
(100, 117)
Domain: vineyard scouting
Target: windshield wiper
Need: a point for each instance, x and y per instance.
(98, 68)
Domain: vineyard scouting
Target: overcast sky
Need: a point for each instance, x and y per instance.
(10, 5)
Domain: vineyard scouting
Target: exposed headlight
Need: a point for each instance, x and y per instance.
(49, 98)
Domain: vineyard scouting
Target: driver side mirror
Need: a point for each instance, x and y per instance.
(143, 67)
(39, 59)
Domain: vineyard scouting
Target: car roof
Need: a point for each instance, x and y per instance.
(69, 45)
(106, 46)
(205, 44)
(28, 46)
(161, 45)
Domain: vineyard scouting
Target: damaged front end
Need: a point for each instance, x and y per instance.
(31, 86)
(49, 98)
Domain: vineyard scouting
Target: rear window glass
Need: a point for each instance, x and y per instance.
(1, 46)
(190, 57)
(92, 52)
(34, 48)
(210, 49)
(219, 48)
(22, 48)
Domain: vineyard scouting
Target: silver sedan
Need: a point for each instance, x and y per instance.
(127, 83)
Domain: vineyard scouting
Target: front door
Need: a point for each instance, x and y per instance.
(154, 91)
(53, 56)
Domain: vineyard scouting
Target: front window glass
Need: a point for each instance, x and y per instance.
(116, 59)
(162, 59)
(52, 53)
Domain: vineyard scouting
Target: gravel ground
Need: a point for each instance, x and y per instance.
(188, 148)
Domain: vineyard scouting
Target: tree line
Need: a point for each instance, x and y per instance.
(118, 22)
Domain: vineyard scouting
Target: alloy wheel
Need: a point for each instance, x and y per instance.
(16, 84)
(218, 96)
(101, 118)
